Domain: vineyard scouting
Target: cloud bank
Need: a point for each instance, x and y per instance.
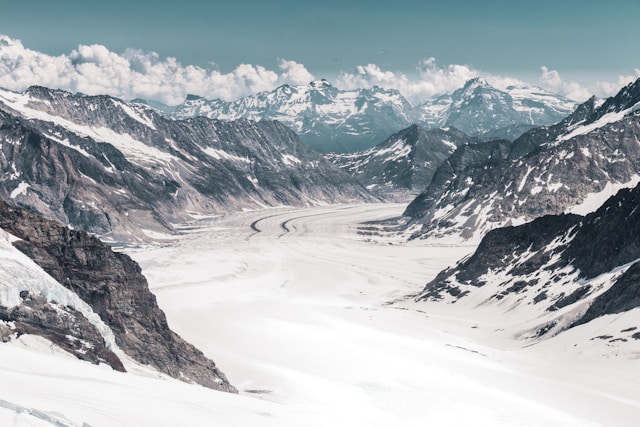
(94, 69)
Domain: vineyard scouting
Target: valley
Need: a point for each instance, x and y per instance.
(294, 306)
(271, 249)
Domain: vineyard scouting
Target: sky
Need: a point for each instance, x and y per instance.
(230, 49)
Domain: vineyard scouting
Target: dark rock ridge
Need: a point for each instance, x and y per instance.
(406, 161)
(556, 262)
(537, 136)
(113, 285)
(332, 120)
(546, 171)
(61, 325)
(105, 166)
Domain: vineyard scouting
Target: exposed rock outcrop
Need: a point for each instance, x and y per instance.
(118, 169)
(61, 325)
(113, 285)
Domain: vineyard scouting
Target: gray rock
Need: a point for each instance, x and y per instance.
(406, 161)
(113, 285)
(568, 249)
(61, 325)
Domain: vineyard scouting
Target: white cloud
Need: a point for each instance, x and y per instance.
(136, 74)
(294, 73)
(604, 89)
(551, 80)
(94, 70)
(431, 80)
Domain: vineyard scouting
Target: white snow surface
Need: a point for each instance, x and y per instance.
(395, 151)
(582, 129)
(292, 306)
(593, 201)
(20, 189)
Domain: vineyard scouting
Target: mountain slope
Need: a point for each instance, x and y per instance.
(556, 272)
(406, 161)
(105, 166)
(325, 118)
(573, 166)
(106, 308)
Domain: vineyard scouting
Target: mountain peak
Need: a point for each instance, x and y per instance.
(320, 84)
(192, 97)
(476, 82)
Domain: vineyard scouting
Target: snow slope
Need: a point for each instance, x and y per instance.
(293, 303)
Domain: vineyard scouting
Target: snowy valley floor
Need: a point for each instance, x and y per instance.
(292, 304)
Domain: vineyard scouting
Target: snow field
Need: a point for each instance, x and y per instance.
(292, 304)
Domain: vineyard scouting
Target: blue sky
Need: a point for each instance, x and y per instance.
(583, 41)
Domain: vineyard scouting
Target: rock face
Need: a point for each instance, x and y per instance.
(112, 284)
(445, 206)
(566, 269)
(332, 120)
(116, 169)
(61, 325)
(571, 167)
(406, 161)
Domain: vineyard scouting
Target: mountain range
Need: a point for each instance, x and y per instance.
(572, 166)
(118, 169)
(554, 211)
(332, 120)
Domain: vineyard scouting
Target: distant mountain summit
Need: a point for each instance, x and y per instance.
(332, 120)
(479, 108)
(325, 118)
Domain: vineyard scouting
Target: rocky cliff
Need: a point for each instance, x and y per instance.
(113, 286)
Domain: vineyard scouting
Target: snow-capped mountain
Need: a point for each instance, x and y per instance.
(329, 119)
(570, 167)
(406, 161)
(480, 109)
(73, 290)
(106, 166)
(325, 118)
(555, 273)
